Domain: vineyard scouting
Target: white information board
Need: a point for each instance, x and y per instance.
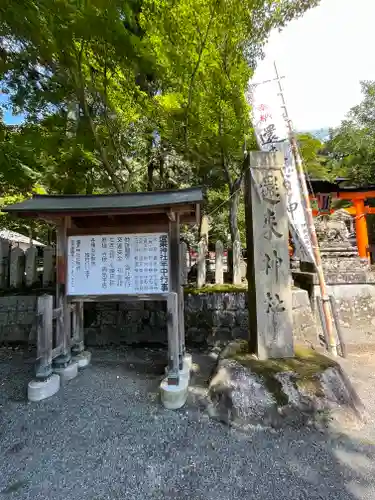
(118, 264)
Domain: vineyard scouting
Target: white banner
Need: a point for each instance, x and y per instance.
(272, 135)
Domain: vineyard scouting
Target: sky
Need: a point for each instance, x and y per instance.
(8, 117)
(323, 56)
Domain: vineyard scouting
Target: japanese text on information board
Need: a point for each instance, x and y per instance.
(118, 264)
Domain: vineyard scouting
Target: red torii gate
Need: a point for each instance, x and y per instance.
(358, 197)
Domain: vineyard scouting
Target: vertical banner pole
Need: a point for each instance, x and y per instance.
(311, 227)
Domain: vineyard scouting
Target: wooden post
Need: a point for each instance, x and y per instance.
(78, 330)
(219, 270)
(175, 283)
(270, 296)
(44, 337)
(361, 228)
(183, 265)
(173, 339)
(63, 323)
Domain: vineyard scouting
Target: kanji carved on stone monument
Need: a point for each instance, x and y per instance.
(267, 215)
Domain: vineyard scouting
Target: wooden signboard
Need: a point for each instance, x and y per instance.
(114, 247)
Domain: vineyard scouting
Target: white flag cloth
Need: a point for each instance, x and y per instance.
(272, 135)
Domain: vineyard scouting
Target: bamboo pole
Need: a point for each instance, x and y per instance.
(310, 224)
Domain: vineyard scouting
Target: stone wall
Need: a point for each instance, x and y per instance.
(210, 319)
(355, 305)
(351, 281)
(17, 318)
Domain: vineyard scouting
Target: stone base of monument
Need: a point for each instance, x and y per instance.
(174, 397)
(68, 372)
(83, 359)
(309, 389)
(37, 390)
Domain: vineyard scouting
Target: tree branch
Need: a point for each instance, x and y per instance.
(82, 99)
(196, 67)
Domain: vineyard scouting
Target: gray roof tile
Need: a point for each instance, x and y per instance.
(84, 203)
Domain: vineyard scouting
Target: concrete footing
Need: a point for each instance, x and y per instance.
(183, 374)
(83, 359)
(174, 397)
(186, 367)
(67, 373)
(38, 390)
(188, 361)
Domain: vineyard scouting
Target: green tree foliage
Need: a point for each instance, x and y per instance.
(205, 52)
(73, 68)
(133, 94)
(352, 145)
(314, 161)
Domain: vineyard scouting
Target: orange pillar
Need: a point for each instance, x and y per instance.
(361, 228)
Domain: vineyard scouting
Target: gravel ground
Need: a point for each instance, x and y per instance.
(106, 436)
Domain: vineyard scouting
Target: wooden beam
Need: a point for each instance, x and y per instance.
(118, 298)
(175, 281)
(197, 214)
(181, 209)
(356, 196)
(126, 229)
(78, 336)
(188, 216)
(173, 339)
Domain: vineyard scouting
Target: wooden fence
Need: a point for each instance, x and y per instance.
(35, 268)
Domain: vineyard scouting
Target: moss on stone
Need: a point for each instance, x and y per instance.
(226, 288)
(307, 365)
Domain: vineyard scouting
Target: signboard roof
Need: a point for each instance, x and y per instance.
(106, 202)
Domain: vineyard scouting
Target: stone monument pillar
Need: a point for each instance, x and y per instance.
(269, 284)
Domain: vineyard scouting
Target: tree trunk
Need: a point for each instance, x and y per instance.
(233, 221)
(150, 175)
(233, 211)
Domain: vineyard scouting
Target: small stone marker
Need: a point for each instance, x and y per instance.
(201, 264)
(48, 265)
(202, 252)
(237, 263)
(219, 267)
(17, 267)
(270, 295)
(31, 255)
(4, 263)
